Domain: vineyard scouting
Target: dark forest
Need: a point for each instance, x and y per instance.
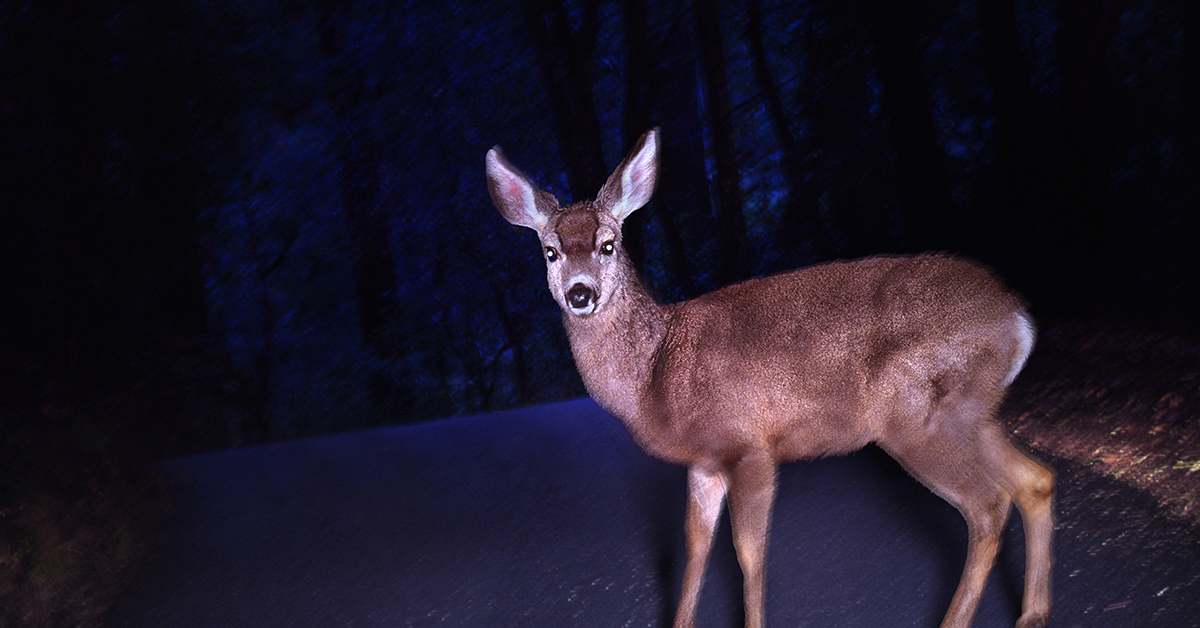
(232, 223)
(289, 197)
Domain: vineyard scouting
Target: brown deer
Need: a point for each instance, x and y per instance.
(910, 353)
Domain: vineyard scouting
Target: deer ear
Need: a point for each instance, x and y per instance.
(513, 194)
(630, 186)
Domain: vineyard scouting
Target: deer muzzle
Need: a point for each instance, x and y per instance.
(581, 299)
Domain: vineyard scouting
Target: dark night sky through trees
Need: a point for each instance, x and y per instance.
(286, 199)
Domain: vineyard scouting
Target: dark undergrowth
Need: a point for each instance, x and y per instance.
(80, 502)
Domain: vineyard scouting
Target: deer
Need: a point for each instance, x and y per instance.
(910, 353)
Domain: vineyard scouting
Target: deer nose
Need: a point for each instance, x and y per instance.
(579, 296)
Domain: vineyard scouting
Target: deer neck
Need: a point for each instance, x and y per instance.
(614, 348)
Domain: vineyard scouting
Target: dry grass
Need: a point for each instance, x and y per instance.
(1126, 404)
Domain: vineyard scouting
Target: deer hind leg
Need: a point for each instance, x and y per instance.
(947, 454)
(751, 494)
(706, 497)
(1031, 485)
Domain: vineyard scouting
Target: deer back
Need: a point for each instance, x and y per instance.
(826, 359)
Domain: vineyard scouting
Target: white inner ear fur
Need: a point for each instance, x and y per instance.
(637, 180)
(517, 192)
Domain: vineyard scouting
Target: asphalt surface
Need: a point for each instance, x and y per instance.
(551, 516)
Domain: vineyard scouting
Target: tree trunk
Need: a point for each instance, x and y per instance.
(1020, 168)
(934, 221)
(361, 164)
(1079, 239)
(648, 81)
(1190, 101)
(567, 57)
(731, 221)
(776, 112)
(1189, 132)
(799, 217)
(829, 108)
(514, 332)
(639, 98)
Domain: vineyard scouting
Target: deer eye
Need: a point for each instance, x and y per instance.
(608, 248)
(551, 254)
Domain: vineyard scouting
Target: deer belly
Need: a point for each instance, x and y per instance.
(742, 419)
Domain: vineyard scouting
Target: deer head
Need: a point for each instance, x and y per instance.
(585, 262)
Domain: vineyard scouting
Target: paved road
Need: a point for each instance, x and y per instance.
(551, 516)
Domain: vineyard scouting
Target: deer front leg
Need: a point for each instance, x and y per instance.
(706, 495)
(751, 495)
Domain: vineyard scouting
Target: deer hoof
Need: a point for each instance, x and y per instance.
(1033, 620)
